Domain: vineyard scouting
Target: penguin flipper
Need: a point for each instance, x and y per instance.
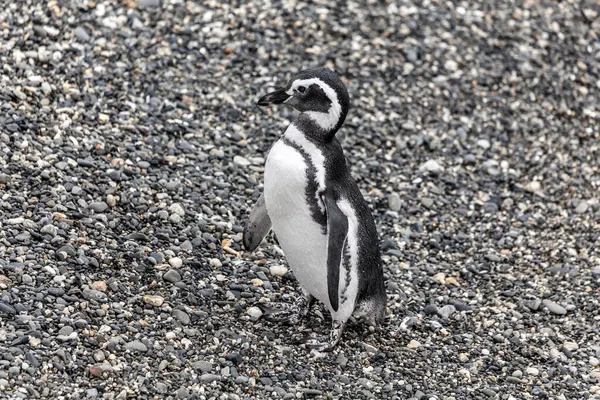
(337, 230)
(258, 225)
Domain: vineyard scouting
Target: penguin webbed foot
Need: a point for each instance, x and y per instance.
(289, 314)
(335, 335)
(281, 313)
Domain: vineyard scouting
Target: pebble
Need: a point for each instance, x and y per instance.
(81, 34)
(155, 301)
(451, 65)
(254, 312)
(7, 309)
(431, 166)
(446, 311)
(136, 345)
(181, 316)
(96, 295)
(582, 207)
(111, 200)
(177, 209)
(176, 262)
(413, 344)
(278, 270)
(532, 371)
(98, 206)
(394, 202)
(172, 276)
(202, 366)
(239, 160)
(208, 378)
(554, 308)
(149, 3)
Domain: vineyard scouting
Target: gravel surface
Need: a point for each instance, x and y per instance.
(131, 150)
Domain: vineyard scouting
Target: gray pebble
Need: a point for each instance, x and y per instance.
(446, 311)
(554, 308)
(98, 206)
(149, 3)
(181, 316)
(81, 34)
(210, 378)
(394, 202)
(172, 276)
(203, 366)
(136, 345)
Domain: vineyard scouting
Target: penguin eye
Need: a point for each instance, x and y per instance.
(301, 89)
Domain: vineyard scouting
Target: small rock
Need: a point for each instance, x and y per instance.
(215, 263)
(533, 304)
(176, 208)
(451, 65)
(155, 301)
(554, 308)
(7, 309)
(533, 187)
(98, 206)
(431, 166)
(484, 144)
(149, 3)
(92, 294)
(202, 366)
(254, 312)
(446, 311)
(99, 285)
(172, 276)
(136, 345)
(210, 378)
(571, 346)
(582, 207)
(278, 270)
(532, 371)
(81, 34)
(394, 202)
(413, 344)
(181, 316)
(239, 160)
(111, 200)
(176, 262)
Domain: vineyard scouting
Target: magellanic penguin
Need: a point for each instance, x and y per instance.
(316, 210)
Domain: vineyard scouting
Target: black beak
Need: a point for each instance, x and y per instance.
(277, 97)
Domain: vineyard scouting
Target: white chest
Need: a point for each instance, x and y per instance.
(300, 237)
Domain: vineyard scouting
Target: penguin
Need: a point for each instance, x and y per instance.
(315, 208)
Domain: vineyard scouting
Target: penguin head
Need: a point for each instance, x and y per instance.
(318, 94)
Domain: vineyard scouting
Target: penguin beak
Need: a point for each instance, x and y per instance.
(277, 97)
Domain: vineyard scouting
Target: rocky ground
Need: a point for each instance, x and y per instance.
(131, 151)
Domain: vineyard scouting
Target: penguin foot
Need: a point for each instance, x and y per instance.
(289, 314)
(281, 313)
(335, 335)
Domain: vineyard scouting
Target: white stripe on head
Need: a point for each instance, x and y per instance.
(326, 120)
(316, 156)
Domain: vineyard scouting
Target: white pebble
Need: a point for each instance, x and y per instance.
(176, 262)
(215, 263)
(532, 371)
(451, 65)
(431, 166)
(239, 160)
(278, 270)
(254, 312)
(176, 208)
